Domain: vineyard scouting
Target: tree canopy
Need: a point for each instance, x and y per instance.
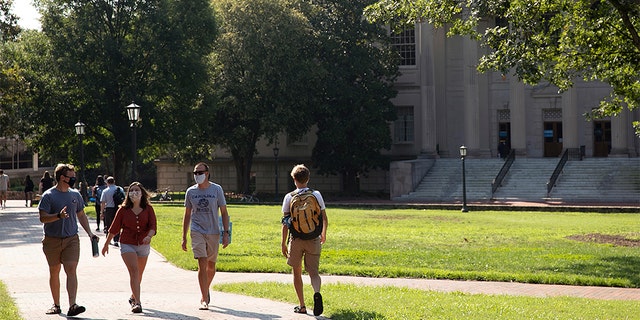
(262, 77)
(557, 41)
(94, 58)
(353, 122)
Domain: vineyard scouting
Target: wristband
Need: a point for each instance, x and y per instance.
(58, 215)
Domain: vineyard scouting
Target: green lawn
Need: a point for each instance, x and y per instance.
(529, 247)
(535, 247)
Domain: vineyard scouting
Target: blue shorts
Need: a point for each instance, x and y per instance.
(141, 250)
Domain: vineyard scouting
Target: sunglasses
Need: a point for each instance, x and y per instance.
(199, 172)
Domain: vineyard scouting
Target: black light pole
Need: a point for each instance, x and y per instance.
(80, 132)
(133, 113)
(463, 154)
(82, 185)
(276, 151)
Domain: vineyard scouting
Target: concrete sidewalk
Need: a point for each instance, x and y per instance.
(172, 293)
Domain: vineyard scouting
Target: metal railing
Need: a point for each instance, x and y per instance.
(556, 173)
(497, 181)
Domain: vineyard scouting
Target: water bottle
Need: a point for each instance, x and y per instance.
(94, 246)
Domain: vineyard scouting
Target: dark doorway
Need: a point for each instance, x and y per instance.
(552, 139)
(601, 138)
(504, 139)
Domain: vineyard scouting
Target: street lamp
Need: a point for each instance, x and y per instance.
(80, 133)
(463, 154)
(276, 151)
(133, 113)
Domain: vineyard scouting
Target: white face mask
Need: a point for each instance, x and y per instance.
(135, 195)
(199, 178)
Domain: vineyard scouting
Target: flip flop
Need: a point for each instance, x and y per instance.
(299, 309)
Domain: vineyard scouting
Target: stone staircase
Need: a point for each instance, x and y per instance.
(589, 180)
(605, 179)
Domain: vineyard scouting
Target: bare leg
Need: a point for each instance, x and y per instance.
(54, 283)
(206, 272)
(131, 261)
(297, 284)
(72, 281)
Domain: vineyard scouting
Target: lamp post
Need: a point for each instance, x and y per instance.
(276, 151)
(463, 154)
(133, 113)
(83, 184)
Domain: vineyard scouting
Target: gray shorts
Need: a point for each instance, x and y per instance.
(141, 250)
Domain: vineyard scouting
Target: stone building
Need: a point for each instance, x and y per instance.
(443, 103)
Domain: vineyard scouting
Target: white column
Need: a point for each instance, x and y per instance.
(470, 114)
(424, 34)
(570, 116)
(619, 128)
(517, 115)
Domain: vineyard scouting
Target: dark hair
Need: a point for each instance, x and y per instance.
(144, 200)
(99, 180)
(300, 173)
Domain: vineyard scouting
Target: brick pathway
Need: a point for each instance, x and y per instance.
(172, 293)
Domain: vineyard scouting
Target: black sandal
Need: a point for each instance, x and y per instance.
(317, 304)
(299, 309)
(75, 310)
(55, 309)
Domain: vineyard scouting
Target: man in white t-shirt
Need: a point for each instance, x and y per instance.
(202, 202)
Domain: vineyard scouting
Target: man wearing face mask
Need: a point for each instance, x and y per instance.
(61, 208)
(202, 202)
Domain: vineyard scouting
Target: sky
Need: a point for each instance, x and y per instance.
(29, 17)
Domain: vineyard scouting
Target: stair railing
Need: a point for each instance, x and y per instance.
(497, 181)
(556, 173)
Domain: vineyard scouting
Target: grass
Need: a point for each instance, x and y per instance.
(502, 246)
(342, 302)
(8, 309)
(530, 247)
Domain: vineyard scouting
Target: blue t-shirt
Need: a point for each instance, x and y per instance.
(52, 201)
(204, 205)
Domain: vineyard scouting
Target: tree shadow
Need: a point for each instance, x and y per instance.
(20, 228)
(616, 267)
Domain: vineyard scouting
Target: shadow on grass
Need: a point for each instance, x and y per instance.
(616, 267)
(356, 315)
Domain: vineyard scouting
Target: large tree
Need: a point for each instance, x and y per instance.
(557, 40)
(263, 75)
(102, 55)
(353, 122)
(12, 86)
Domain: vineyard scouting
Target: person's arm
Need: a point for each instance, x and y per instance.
(225, 225)
(186, 221)
(153, 226)
(46, 217)
(283, 244)
(84, 222)
(325, 224)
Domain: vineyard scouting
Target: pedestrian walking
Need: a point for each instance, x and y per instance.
(61, 209)
(304, 231)
(202, 203)
(135, 221)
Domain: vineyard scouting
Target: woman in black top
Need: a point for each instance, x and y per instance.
(28, 191)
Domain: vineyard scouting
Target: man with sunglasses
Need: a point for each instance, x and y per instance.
(202, 202)
(61, 208)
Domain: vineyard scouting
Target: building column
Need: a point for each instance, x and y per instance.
(570, 116)
(619, 129)
(427, 91)
(471, 112)
(517, 116)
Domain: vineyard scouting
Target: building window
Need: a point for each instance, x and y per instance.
(403, 126)
(404, 42)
